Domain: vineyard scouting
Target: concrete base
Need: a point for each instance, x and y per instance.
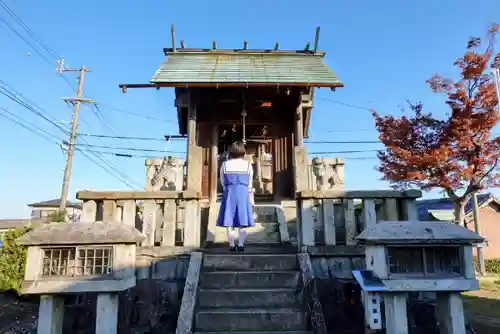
(50, 314)
(450, 311)
(107, 313)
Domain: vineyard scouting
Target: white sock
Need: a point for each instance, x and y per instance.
(241, 240)
(230, 236)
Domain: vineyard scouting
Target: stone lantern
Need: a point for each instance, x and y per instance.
(72, 258)
(416, 256)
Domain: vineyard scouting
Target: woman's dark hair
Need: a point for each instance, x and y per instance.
(237, 150)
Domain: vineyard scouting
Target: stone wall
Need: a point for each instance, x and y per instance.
(149, 308)
(339, 293)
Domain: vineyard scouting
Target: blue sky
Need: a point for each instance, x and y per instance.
(382, 50)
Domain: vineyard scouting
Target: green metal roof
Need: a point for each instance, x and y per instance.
(245, 67)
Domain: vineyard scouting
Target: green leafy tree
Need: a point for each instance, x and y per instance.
(12, 261)
(57, 217)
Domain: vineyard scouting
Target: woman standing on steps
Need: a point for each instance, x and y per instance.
(236, 209)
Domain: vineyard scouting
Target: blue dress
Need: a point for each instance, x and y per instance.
(236, 209)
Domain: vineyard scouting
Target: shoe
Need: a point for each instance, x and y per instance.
(241, 249)
(232, 248)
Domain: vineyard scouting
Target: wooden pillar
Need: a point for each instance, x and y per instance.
(450, 313)
(50, 314)
(299, 125)
(214, 163)
(194, 151)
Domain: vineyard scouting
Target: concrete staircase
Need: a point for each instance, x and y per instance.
(255, 291)
(265, 231)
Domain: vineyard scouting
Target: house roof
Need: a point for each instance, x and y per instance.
(100, 232)
(425, 232)
(7, 224)
(439, 208)
(54, 203)
(211, 68)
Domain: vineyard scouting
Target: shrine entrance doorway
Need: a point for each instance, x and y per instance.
(259, 152)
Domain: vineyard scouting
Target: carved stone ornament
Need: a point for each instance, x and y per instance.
(165, 175)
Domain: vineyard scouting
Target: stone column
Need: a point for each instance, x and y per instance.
(50, 314)
(106, 313)
(396, 317)
(450, 313)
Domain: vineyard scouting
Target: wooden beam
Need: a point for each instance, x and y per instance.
(316, 40)
(172, 31)
(124, 87)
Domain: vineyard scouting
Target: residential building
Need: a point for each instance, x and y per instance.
(489, 218)
(43, 210)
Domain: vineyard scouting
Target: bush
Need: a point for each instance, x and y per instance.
(57, 217)
(12, 261)
(492, 265)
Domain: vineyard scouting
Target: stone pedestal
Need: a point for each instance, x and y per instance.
(450, 313)
(107, 313)
(396, 318)
(50, 314)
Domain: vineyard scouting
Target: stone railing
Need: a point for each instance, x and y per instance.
(166, 218)
(336, 217)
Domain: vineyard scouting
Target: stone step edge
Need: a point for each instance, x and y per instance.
(236, 272)
(255, 332)
(254, 290)
(273, 255)
(249, 310)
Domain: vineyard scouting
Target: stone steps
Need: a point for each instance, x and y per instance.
(250, 262)
(251, 319)
(265, 231)
(258, 332)
(250, 293)
(251, 280)
(248, 298)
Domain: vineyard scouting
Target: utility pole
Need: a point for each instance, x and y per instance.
(475, 206)
(76, 101)
(477, 228)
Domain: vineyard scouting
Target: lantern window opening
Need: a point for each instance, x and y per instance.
(77, 261)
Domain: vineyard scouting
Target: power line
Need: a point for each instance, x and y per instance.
(136, 114)
(15, 96)
(4, 21)
(344, 142)
(344, 152)
(165, 138)
(25, 124)
(129, 148)
(349, 105)
(27, 29)
(52, 140)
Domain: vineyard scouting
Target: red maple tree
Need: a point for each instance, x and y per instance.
(458, 153)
